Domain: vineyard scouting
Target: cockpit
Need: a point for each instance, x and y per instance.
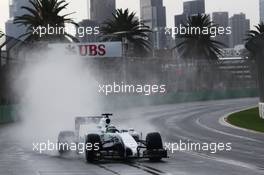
(111, 129)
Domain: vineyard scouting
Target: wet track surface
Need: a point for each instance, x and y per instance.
(196, 122)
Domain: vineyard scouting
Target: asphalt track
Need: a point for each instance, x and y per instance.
(195, 122)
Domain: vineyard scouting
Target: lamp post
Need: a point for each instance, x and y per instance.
(1, 35)
(125, 48)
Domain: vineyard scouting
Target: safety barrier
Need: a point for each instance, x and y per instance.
(127, 101)
(7, 113)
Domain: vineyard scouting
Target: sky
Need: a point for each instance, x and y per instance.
(249, 7)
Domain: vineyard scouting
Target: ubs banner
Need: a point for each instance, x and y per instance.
(100, 49)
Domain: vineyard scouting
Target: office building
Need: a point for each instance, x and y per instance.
(190, 8)
(221, 20)
(180, 19)
(240, 26)
(153, 14)
(261, 10)
(92, 26)
(194, 7)
(15, 30)
(101, 10)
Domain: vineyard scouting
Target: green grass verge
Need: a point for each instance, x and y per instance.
(248, 119)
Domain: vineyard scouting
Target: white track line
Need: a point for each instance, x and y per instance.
(225, 133)
(223, 121)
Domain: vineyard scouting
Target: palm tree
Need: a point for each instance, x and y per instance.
(255, 33)
(255, 45)
(44, 14)
(197, 45)
(124, 25)
(251, 36)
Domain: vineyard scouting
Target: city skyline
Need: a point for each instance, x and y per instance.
(222, 19)
(99, 10)
(173, 8)
(240, 24)
(153, 13)
(194, 7)
(261, 8)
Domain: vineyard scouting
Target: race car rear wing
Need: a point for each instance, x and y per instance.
(81, 120)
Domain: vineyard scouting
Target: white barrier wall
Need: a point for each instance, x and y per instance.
(261, 110)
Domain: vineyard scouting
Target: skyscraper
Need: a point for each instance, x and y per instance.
(101, 10)
(15, 30)
(221, 20)
(190, 8)
(194, 7)
(88, 37)
(153, 14)
(179, 19)
(240, 26)
(261, 10)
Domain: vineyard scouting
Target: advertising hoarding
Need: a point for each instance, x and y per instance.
(99, 49)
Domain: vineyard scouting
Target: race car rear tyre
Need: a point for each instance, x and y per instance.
(153, 142)
(95, 141)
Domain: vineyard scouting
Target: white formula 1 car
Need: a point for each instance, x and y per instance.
(103, 140)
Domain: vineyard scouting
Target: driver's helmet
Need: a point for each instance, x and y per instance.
(111, 129)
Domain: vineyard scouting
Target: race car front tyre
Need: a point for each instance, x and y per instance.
(93, 153)
(154, 142)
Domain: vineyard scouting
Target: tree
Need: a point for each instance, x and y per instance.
(255, 45)
(197, 44)
(251, 36)
(45, 15)
(124, 25)
(256, 33)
